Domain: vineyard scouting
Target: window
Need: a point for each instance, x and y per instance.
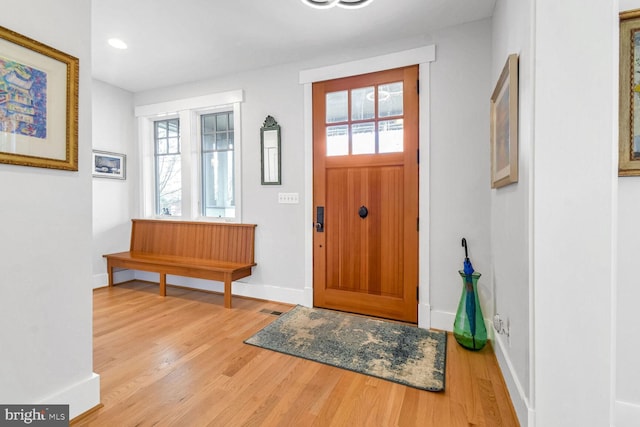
(217, 165)
(168, 167)
(190, 158)
(365, 120)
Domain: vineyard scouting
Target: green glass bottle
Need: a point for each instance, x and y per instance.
(469, 328)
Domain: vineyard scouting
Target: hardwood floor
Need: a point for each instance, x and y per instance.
(181, 361)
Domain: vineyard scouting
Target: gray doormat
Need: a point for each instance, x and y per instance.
(392, 351)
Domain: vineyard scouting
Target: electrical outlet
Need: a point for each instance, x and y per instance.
(288, 198)
(497, 323)
(502, 327)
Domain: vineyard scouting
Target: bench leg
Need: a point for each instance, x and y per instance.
(163, 285)
(227, 290)
(110, 273)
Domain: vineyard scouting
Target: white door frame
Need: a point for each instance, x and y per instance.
(422, 56)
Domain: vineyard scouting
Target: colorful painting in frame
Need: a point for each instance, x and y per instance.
(504, 126)
(38, 104)
(629, 101)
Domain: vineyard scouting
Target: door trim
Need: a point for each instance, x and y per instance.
(406, 58)
(423, 57)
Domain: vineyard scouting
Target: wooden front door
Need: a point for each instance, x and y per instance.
(365, 160)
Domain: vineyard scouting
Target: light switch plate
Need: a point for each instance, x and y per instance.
(288, 198)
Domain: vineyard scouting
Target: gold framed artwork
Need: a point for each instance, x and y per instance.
(38, 104)
(629, 99)
(504, 126)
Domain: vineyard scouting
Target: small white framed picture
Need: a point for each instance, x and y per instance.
(109, 165)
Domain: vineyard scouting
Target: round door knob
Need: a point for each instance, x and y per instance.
(363, 212)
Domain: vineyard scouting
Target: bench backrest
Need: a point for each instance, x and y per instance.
(202, 240)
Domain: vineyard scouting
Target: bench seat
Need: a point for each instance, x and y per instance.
(161, 247)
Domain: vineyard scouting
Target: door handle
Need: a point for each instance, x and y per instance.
(319, 224)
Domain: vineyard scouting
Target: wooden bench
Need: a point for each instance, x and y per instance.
(206, 250)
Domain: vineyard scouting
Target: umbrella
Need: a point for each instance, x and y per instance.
(471, 299)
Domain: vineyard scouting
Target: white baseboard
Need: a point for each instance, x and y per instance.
(239, 288)
(270, 292)
(308, 297)
(442, 320)
(424, 320)
(516, 392)
(102, 280)
(80, 397)
(627, 414)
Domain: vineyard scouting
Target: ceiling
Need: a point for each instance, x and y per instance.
(173, 42)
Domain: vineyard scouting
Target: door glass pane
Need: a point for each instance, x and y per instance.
(390, 102)
(337, 140)
(337, 107)
(362, 103)
(391, 136)
(364, 138)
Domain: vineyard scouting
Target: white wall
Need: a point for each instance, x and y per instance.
(113, 199)
(627, 344)
(544, 232)
(534, 248)
(459, 168)
(628, 348)
(459, 196)
(511, 209)
(574, 211)
(279, 236)
(45, 284)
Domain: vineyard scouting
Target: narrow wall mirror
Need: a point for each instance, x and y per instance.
(270, 149)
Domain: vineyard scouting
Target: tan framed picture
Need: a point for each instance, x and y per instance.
(504, 126)
(38, 104)
(629, 99)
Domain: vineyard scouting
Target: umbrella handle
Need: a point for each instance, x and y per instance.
(464, 245)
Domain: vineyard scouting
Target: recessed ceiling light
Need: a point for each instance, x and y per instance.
(345, 4)
(117, 43)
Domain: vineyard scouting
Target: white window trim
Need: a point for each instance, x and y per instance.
(188, 110)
